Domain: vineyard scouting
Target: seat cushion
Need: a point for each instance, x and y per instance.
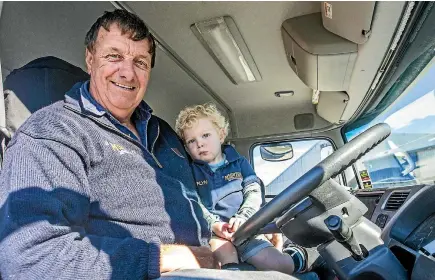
(215, 274)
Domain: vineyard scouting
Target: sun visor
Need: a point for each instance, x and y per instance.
(350, 20)
(331, 105)
(322, 60)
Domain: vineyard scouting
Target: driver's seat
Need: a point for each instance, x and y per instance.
(217, 274)
(37, 84)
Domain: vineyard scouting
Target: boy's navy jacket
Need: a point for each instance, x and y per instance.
(221, 191)
(81, 199)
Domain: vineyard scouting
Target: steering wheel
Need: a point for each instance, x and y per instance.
(333, 165)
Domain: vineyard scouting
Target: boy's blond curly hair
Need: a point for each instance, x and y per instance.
(191, 114)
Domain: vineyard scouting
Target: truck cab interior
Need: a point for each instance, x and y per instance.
(332, 103)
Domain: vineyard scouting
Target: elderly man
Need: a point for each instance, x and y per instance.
(95, 186)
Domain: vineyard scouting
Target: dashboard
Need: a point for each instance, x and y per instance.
(407, 217)
(382, 204)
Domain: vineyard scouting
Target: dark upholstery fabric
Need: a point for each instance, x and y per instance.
(37, 84)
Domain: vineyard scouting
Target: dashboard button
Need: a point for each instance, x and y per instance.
(381, 220)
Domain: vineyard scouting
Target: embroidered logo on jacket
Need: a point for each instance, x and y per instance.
(233, 176)
(201, 183)
(118, 148)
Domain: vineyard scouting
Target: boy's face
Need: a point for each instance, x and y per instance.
(203, 141)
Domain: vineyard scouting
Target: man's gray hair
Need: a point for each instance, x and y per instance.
(128, 23)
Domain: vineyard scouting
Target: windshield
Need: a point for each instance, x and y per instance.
(407, 156)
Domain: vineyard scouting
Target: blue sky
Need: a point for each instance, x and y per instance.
(419, 95)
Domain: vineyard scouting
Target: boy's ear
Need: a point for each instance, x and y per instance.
(222, 135)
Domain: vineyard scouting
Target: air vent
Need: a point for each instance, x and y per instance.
(396, 200)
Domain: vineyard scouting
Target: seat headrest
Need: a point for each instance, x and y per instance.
(37, 84)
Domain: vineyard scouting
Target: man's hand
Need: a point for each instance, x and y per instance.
(222, 230)
(176, 257)
(235, 223)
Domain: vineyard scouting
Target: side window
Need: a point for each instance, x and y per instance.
(280, 164)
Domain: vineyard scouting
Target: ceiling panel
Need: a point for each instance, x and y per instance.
(29, 30)
(259, 23)
(273, 121)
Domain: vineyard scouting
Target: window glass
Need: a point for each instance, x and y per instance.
(407, 156)
(280, 164)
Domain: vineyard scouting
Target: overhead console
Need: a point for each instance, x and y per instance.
(322, 60)
(322, 48)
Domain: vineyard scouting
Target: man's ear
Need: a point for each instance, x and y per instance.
(89, 58)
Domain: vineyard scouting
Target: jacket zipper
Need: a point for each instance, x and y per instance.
(152, 146)
(123, 135)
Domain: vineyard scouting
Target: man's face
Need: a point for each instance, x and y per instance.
(120, 69)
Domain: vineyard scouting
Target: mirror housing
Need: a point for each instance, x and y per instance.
(274, 152)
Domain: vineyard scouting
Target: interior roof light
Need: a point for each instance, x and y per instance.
(222, 39)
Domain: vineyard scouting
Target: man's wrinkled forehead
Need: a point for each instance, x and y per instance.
(110, 38)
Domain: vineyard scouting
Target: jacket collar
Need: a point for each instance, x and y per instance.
(231, 153)
(79, 98)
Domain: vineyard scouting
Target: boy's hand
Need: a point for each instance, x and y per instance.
(235, 223)
(222, 230)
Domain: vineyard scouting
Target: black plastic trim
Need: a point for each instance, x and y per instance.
(413, 213)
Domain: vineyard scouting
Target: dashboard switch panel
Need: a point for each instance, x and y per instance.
(381, 220)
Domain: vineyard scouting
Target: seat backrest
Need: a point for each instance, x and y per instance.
(37, 84)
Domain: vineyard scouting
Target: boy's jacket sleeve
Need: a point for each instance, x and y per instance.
(251, 192)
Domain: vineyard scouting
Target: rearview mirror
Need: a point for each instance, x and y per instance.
(276, 152)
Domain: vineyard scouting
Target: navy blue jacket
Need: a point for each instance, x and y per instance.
(221, 192)
(80, 199)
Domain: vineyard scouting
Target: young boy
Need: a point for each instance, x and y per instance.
(229, 190)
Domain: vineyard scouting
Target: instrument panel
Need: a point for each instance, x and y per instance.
(411, 234)
(383, 204)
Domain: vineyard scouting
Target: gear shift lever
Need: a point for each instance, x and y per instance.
(343, 234)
